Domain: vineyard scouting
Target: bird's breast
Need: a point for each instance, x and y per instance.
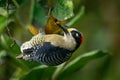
(61, 41)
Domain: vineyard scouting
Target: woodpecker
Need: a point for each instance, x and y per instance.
(52, 49)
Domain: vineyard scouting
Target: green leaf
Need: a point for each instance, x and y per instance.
(79, 63)
(12, 51)
(41, 72)
(3, 23)
(63, 9)
(39, 15)
(25, 13)
(3, 19)
(2, 56)
(5, 41)
(3, 12)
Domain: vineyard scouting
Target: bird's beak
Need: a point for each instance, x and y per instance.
(63, 28)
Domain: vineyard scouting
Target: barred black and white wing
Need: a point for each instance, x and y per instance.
(47, 54)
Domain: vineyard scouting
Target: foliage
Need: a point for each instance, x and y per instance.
(16, 16)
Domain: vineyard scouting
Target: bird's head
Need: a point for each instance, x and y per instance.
(77, 35)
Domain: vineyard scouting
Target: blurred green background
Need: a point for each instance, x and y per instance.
(98, 58)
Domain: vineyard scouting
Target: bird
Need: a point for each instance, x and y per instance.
(52, 49)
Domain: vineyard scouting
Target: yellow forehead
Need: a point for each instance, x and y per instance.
(71, 29)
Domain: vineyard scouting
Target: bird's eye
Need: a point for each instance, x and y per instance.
(77, 35)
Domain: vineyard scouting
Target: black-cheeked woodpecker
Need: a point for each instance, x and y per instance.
(52, 49)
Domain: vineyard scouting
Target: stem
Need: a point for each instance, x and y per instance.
(78, 16)
(58, 71)
(16, 4)
(8, 30)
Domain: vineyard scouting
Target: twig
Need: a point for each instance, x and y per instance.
(78, 16)
(15, 3)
